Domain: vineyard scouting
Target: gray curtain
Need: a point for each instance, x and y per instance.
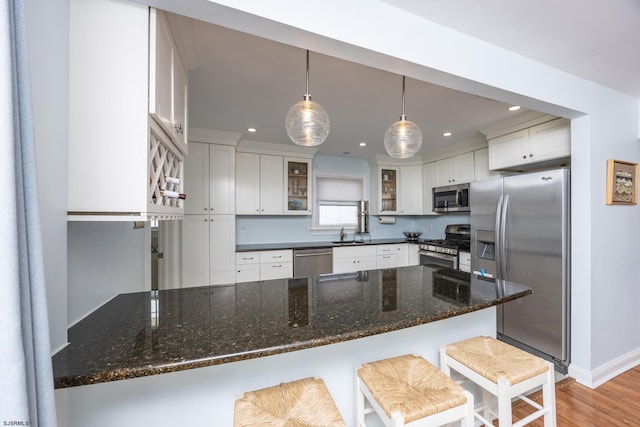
(26, 383)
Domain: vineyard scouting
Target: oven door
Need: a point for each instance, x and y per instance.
(435, 258)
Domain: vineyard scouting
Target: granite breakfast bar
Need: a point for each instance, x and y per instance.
(252, 335)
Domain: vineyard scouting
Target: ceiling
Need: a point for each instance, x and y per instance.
(245, 81)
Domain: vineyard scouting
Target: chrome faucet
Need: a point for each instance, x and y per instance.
(343, 235)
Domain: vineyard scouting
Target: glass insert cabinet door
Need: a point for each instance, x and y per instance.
(298, 179)
(388, 189)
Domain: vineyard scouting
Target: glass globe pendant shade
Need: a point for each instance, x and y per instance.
(307, 123)
(403, 139)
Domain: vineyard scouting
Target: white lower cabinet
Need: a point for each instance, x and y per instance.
(414, 256)
(464, 261)
(247, 266)
(263, 265)
(354, 258)
(276, 264)
(392, 255)
(208, 247)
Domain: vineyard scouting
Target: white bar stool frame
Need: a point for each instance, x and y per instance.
(504, 391)
(463, 413)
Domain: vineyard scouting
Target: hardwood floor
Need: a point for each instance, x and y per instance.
(615, 403)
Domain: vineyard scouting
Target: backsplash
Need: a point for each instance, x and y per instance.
(279, 229)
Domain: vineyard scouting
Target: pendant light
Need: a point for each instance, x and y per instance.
(307, 123)
(403, 138)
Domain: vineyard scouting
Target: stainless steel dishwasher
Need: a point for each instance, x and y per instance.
(311, 262)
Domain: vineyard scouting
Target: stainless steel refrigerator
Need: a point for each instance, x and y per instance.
(520, 228)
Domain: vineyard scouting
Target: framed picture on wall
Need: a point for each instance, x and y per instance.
(622, 182)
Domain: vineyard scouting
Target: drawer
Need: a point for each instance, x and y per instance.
(387, 249)
(276, 270)
(247, 257)
(276, 256)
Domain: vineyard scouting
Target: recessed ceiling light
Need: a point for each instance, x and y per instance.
(362, 144)
(346, 152)
(252, 130)
(514, 108)
(446, 134)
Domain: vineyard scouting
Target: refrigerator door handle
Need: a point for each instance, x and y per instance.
(497, 240)
(503, 237)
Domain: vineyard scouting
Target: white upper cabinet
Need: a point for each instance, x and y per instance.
(298, 178)
(543, 142)
(396, 186)
(481, 160)
(222, 175)
(454, 170)
(411, 193)
(210, 179)
(123, 165)
(259, 184)
(168, 80)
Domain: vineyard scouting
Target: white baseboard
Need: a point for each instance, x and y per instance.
(604, 373)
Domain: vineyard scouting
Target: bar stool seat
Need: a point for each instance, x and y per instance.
(505, 372)
(301, 403)
(408, 390)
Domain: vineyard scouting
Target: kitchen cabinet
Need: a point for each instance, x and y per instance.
(464, 261)
(543, 142)
(392, 255)
(414, 256)
(481, 161)
(298, 178)
(396, 187)
(354, 258)
(168, 80)
(209, 179)
(428, 182)
(208, 247)
(276, 264)
(264, 265)
(411, 190)
(454, 170)
(247, 266)
(259, 184)
(118, 158)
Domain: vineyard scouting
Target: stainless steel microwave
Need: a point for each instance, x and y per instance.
(451, 198)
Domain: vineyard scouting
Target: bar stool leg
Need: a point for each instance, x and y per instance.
(468, 421)
(549, 397)
(504, 402)
(487, 402)
(360, 412)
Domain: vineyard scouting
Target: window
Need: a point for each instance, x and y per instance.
(337, 201)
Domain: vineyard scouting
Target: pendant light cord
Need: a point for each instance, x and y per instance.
(403, 116)
(307, 96)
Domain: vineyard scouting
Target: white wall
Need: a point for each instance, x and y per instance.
(48, 34)
(605, 329)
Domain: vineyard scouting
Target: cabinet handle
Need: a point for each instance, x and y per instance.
(247, 259)
(206, 220)
(386, 256)
(205, 209)
(277, 266)
(276, 256)
(531, 155)
(524, 157)
(386, 250)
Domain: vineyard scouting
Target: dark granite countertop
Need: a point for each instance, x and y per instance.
(147, 333)
(313, 245)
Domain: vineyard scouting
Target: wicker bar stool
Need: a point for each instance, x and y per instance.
(409, 391)
(301, 403)
(506, 372)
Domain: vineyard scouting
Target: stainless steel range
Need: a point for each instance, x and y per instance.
(445, 251)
